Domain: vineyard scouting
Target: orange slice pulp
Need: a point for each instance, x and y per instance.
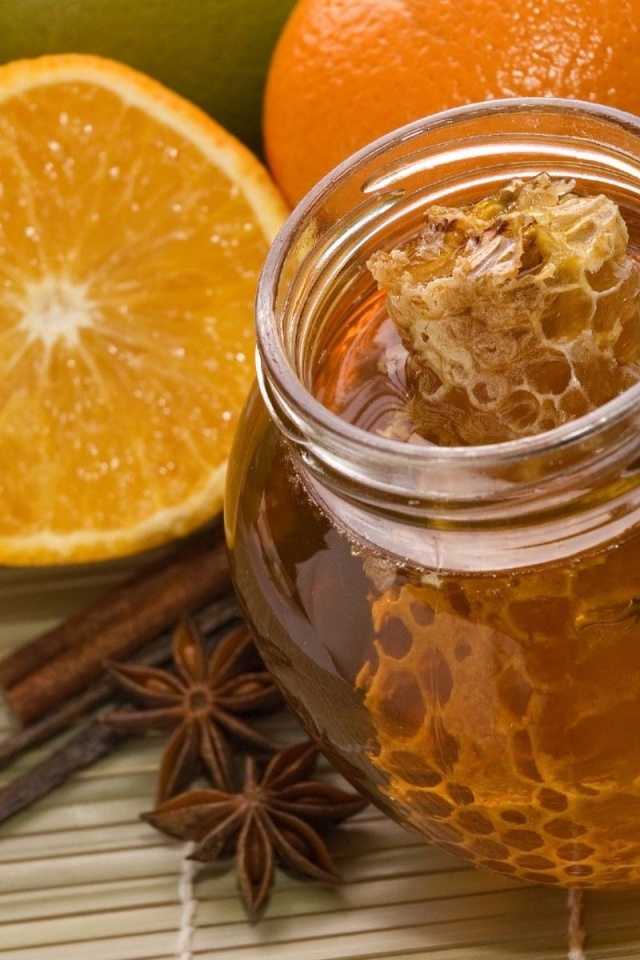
(132, 232)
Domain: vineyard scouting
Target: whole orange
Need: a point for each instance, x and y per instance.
(347, 71)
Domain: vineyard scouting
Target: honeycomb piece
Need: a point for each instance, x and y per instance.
(518, 313)
(521, 772)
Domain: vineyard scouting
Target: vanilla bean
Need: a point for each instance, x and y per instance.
(198, 574)
(91, 743)
(61, 718)
(94, 741)
(214, 615)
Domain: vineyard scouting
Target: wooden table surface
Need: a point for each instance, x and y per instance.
(82, 878)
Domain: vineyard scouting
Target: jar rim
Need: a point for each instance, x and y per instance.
(327, 427)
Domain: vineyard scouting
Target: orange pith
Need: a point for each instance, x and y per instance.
(132, 231)
(347, 71)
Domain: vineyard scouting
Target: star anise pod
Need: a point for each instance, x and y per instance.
(275, 817)
(205, 702)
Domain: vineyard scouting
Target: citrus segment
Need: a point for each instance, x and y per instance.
(132, 232)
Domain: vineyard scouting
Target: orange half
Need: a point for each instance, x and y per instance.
(132, 232)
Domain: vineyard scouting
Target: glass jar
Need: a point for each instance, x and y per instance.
(459, 628)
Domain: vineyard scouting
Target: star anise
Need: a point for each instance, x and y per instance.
(273, 818)
(204, 702)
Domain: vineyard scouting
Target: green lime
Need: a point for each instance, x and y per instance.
(214, 52)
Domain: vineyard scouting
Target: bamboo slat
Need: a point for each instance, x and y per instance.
(82, 877)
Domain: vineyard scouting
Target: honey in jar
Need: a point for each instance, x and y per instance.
(433, 506)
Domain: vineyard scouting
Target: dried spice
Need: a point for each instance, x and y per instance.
(156, 652)
(273, 818)
(205, 703)
(64, 661)
(91, 743)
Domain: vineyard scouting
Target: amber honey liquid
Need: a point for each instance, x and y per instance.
(494, 712)
(361, 376)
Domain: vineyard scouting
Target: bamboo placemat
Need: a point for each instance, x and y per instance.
(82, 878)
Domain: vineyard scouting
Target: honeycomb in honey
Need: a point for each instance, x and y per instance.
(508, 742)
(518, 313)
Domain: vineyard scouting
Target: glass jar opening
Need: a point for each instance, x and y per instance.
(316, 272)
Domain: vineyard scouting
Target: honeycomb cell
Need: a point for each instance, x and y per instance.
(462, 650)
(579, 870)
(447, 749)
(514, 691)
(395, 638)
(523, 839)
(475, 822)
(552, 799)
(445, 832)
(523, 756)
(586, 790)
(422, 613)
(436, 675)
(431, 804)
(402, 704)
(513, 816)
(461, 795)
(575, 851)
(457, 599)
(490, 849)
(564, 829)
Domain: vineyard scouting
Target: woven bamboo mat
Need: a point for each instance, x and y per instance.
(82, 878)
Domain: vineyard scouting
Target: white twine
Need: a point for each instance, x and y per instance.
(189, 904)
(576, 930)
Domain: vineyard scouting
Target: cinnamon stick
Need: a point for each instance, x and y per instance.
(97, 738)
(215, 615)
(127, 617)
(163, 578)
